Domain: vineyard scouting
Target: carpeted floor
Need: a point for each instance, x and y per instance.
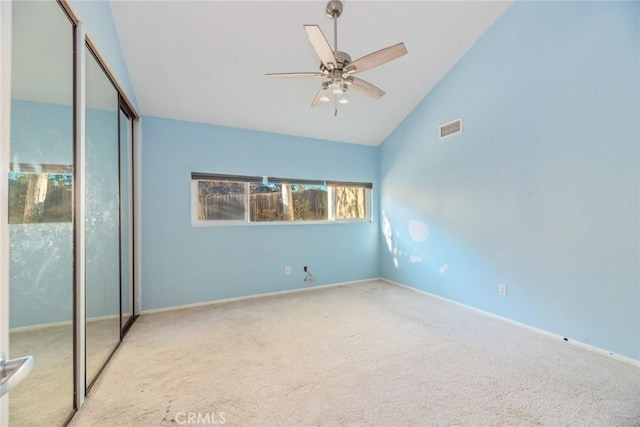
(45, 397)
(363, 354)
(46, 394)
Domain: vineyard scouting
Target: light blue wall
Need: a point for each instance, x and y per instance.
(41, 255)
(182, 264)
(540, 192)
(98, 23)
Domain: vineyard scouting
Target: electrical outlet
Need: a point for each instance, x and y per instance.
(502, 290)
(287, 270)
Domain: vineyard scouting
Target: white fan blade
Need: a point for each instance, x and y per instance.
(294, 75)
(365, 88)
(321, 46)
(374, 59)
(321, 93)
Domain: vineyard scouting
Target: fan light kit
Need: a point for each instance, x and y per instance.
(337, 67)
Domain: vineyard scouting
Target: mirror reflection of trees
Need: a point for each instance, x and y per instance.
(40, 197)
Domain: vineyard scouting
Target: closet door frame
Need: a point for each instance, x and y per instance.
(124, 109)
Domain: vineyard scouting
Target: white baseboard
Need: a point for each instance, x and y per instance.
(100, 318)
(253, 296)
(580, 344)
(63, 323)
(40, 326)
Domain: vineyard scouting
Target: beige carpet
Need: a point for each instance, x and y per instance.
(361, 354)
(45, 397)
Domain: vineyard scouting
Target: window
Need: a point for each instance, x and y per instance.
(237, 199)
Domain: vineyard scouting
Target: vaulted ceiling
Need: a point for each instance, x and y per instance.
(205, 61)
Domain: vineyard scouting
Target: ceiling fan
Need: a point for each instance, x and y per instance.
(336, 66)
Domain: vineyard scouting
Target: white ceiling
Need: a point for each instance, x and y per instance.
(205, 61)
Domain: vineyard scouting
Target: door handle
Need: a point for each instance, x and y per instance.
(13, 371)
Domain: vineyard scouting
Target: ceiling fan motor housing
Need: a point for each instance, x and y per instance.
(343, 59)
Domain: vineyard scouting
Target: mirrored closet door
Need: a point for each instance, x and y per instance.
(71, 288)
(102, 217)
(41, 206)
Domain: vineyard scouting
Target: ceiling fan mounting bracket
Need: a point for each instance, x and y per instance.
(334, 9)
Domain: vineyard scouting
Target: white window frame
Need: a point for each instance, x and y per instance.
(331, 205)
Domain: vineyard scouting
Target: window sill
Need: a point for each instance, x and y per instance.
(223, 223)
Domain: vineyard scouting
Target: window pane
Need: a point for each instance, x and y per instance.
(309, 202)
(350, 203)
(288, 202)
(221, 200)
(266, 202)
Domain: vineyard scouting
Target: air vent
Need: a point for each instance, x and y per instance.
(451, 128)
